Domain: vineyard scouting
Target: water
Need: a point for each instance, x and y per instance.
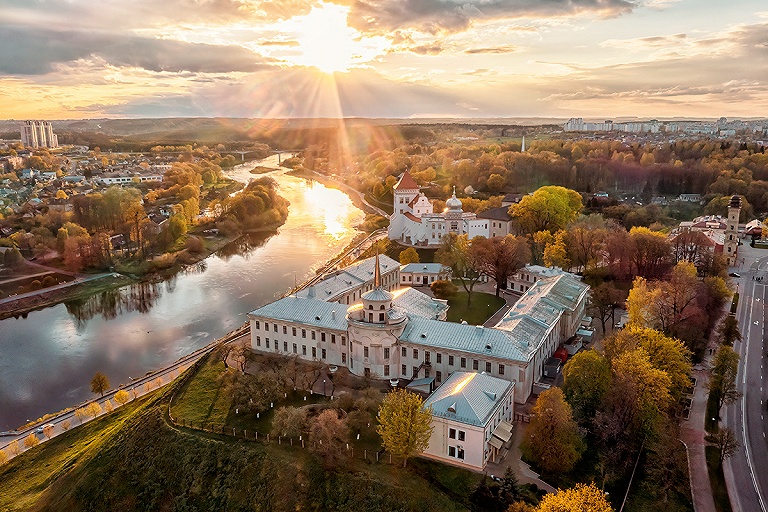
(48, 358)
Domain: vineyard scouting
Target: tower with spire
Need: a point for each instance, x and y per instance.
(731, 245)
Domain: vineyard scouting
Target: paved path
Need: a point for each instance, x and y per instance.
(78, 280)
(138, 387)
(692, 435)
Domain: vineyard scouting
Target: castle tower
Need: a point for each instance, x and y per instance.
(454, 214)
(404, 192)
(731, 245)
(374, 327)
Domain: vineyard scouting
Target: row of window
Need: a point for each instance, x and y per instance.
(294, 332)
(295, 348)
(451, 360)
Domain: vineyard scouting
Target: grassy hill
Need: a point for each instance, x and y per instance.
(133, 459)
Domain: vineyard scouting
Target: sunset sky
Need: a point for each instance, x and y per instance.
(62, 59)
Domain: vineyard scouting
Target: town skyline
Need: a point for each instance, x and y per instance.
(383, 59)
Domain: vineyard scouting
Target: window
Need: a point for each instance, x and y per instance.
(501, 369)
(386, 370)
(439, 358)
(267, 341)
(381, 317)
(295, 348)
(333, 338)
(256, 324)
(285, 329)
(415, 371)
(313, 335)
(475, 364)
(344, 358)
(415, 353)
(303, 333)
(293, 330)
(365, 351)
(266, 326)
(322, 336)
(460, 453)
(322, 353)
(452, 451)
(386, 353)
(450, 360)
(427, 355)
(405, 353)
(285, 346)
(488, 367)
(403, 370)
(274, 327)
(258, 341)
(452, 433)
(426, 373)
(462, 435)
(343, 339)
(370, 317)
(463, 362)
(439, 376)
(314, 352)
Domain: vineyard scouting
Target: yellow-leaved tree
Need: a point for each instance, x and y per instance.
(552, 438)
(405, 426)
(582, 498)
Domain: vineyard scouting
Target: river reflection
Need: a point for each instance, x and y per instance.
(48, 358)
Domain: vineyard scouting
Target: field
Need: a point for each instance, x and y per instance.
(482, 307)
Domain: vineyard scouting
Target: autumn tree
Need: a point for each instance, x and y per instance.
(94, 409)
(404, 425)
(549, 208)
(722, 382)
(328, 438)
(666, 463)
(66, 425)
(604, 300)
(728, 331)
(14, 448)
(582, 498)
(456, 252)
(81, 413)
(587, 378)
(556, 251)
(31, 441)
(443, 289)
(725, 442)
(585, 238)
(99, 383)
(500, 257)
(552, 438)
(650, 252)
(122, 397)
(289, 422)
(3, 457)
(48, 431)
(409, 255)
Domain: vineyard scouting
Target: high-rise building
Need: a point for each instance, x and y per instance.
(38, 134)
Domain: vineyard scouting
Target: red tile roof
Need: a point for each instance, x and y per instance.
(406, 182)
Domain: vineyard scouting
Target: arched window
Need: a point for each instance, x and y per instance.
(370, 306)
(382, 306)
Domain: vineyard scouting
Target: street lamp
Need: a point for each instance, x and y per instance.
(323, 387)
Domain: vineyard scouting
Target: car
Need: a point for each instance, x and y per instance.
(41, 428)
(734, 274)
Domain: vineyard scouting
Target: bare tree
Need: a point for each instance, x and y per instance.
(328, 437)
(725, 442)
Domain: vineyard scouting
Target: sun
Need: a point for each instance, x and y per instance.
(327, 43)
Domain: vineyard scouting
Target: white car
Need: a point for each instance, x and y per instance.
(41, 428)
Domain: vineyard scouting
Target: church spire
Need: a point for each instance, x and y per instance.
(377, 271)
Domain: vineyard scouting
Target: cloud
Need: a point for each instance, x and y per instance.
(28, 51)
(446, 16)
(492, 49)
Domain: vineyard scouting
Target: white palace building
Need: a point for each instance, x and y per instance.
(392, 333)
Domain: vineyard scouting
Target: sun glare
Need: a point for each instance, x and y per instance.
(327, 43)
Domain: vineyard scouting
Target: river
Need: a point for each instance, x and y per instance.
(48, 358)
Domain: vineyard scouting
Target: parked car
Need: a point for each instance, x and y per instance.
(41, 428)
(734, 274)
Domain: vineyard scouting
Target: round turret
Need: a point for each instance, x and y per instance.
(735, 202)
(454, 203)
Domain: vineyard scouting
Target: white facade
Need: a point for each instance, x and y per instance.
(122, 180)
(423, 274)
(38, 134)
(471, 419)
(527, 276)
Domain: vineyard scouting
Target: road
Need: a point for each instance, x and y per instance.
(137, 388)
(746, 478)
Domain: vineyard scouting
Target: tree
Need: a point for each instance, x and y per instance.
(122, 397)
(585, 239)
(587, 377)
(556, 251)
(722, 383)
(650, 252)
(3, 457)
(81, 413)
(409, 255)
(552, 439)
(729, 331)
(65, 425)
(14, 448)
(550, 208)
(108, 407)
(289, 422)
(725, 442)
(404, 425)
(443, 289)
(31, 441)
(328, 437)
(456, 252)
(582, 498)
(93, 409)
(48, 431)
(99, 383)
(500, 257)
(604, 300)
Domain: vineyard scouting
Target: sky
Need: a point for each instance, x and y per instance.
(71, 59)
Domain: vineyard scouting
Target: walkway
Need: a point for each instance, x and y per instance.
(77, 280)
(692, 434)
(513, 460)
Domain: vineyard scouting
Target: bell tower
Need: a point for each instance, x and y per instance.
(731, 244)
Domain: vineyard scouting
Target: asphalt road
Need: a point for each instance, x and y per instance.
(745, 472)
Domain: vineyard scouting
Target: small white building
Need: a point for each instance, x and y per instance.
(471, 419)
(423, 274)
(522, 281)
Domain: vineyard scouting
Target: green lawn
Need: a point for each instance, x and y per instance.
(717, 480)
(482, 307)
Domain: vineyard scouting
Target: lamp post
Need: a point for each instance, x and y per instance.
(323, 387)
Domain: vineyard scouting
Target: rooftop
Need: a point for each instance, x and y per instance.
(468, 397)
(420, 304)
(431, 268)
(501, 213)
(312, 312)
(406, 182)
(342, 281)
